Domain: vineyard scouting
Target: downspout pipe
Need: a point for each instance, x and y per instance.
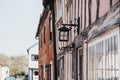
(54, 41)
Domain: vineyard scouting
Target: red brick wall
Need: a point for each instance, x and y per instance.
(46, 50)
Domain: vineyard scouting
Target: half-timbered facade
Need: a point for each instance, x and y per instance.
(98, 29)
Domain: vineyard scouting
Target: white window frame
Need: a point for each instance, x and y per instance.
(106, 36)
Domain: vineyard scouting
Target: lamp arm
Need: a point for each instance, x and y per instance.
(74, 25)
(60, 48)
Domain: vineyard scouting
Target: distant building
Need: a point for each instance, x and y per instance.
(4, 72)
(46, 54)
(0, 70)
(33, 62)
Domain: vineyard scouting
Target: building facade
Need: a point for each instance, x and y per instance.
(92, 50)
(4, 69)
(0, 70)
(104, 43)
(4, 72)
(33, 62)
(98, 29)
(70, 61)
(45, 37)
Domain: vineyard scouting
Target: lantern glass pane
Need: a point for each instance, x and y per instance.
(61, 33)
(64, 36)
(65, 33)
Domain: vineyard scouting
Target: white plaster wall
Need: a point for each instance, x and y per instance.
(0, 71)
(4, 72)
(32, 64)
(32, 51)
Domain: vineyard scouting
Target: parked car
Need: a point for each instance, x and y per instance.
(10, 78)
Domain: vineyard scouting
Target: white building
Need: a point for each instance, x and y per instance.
(4, 72)
(33, 62)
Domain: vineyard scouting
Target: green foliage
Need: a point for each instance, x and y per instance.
(13, 69)
(18, 64)
(19, 74)
(22, 73)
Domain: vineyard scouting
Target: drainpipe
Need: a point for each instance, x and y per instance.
(87, 59)
(54, 42)
(119, 36)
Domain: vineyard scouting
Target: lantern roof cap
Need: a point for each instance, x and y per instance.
(63, 29)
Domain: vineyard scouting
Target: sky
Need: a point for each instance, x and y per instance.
(18, 25)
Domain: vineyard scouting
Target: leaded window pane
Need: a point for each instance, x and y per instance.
(103, 60)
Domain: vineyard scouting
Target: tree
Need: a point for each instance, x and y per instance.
(13, 69)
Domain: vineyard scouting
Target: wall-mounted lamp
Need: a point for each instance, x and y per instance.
(64, 31)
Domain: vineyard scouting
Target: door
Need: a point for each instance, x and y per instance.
(49, 72)
(62, 68)
(41, 73)
(80, 64)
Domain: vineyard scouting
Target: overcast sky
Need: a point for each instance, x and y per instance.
(18, 25)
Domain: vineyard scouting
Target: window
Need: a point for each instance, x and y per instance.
(103, 60)
(59, 9)
(41, 40)
(97, 11)
(39, 43)
(89, 11)
(50, 26)
(34, 57)
(110, 3)
(7, 72)
(49, 72)
(44, 34)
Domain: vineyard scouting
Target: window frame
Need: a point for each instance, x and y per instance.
(50, 27)
(34, 57)
(105, 49)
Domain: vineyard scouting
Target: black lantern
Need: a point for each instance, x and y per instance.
(64, 33)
